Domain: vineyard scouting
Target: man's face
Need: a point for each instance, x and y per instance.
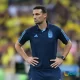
(39, 16)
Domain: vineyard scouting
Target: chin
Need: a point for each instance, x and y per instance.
(38, 22)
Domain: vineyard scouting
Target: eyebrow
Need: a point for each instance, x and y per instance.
(37, 13)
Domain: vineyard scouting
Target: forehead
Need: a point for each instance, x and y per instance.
(37, 11)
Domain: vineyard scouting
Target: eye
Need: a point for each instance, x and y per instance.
(36, 14)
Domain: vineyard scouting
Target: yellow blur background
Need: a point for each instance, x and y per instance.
(16, 15)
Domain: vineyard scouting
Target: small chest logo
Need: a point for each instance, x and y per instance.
(35, 35)
(50, 34)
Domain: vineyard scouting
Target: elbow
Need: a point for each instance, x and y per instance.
(15, 45)
(70, 43)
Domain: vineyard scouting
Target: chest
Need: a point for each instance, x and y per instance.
(43, 37)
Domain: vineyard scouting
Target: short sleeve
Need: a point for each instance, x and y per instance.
(63, 37)
(24, 37)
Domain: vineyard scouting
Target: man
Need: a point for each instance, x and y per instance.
(44, 64)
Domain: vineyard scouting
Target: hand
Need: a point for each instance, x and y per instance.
(32, 60)
(57, 62)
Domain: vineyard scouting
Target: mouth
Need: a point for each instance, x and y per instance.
(35, 20)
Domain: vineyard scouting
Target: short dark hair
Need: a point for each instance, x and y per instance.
(44, 10)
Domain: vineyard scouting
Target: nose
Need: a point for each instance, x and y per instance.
(34, 17)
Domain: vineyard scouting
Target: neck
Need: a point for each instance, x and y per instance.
(43, 25)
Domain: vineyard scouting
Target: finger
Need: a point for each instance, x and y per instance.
(53, 65)
(56, 66)
(35, 58)
(32, 64)
(35, 61)
(52, 60)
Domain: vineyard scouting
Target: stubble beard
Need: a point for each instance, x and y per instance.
(39, 23)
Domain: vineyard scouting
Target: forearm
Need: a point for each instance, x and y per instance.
(21, 51)
(67, 49)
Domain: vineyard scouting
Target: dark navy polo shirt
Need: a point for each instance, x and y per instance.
(44, 43)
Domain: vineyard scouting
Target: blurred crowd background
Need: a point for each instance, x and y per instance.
(16, 15)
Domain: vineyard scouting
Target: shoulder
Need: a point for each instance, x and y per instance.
(55, 27)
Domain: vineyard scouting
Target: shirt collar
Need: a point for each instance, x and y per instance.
(46, 27)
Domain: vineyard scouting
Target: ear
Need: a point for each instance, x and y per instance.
(45, 15)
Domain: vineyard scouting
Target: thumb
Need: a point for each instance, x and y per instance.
(35, 58)
(52, 60)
